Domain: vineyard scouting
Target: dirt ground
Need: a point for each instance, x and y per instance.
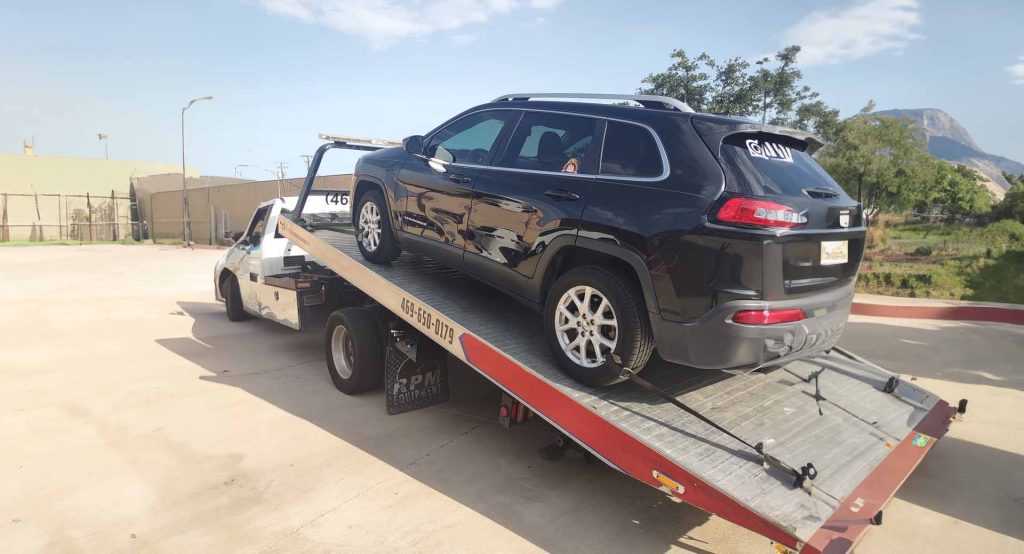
(134, 416)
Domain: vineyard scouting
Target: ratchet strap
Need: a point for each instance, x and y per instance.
(802, 477)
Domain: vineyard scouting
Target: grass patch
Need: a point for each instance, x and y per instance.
(954, 262)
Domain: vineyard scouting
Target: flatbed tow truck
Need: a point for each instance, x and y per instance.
(806, 454)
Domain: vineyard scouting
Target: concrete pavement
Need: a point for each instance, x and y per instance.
(134, 416)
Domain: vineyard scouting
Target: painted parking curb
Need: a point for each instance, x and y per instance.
(992, 314)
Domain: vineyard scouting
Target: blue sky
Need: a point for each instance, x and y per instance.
(283, 70)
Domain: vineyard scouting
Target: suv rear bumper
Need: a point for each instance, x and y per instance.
(715, 342)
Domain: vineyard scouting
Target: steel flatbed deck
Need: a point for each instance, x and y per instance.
(863, 441)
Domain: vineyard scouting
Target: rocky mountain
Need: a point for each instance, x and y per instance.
(948, 140)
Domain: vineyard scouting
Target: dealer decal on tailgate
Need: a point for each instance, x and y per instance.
(769, 151)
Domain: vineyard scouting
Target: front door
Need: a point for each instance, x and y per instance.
(249, 267)
(534, 193)
(439, 184)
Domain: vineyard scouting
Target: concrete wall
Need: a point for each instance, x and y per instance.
(233, 205)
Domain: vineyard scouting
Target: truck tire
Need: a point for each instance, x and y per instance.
(373, 229)
(354, 350)
(233, 299)
(597, 326)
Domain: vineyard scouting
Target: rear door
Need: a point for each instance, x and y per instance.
(535, 191)
(764, 163)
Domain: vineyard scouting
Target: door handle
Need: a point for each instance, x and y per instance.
(460, 179)
(562, 194)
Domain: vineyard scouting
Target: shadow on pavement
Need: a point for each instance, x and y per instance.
(969, 353)
(557, 506)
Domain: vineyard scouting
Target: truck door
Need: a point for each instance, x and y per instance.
(534, 193)
(249, 267)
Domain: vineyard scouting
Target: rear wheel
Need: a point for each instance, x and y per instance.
(355, 352)
(373, 229)
(233, 299)
(597, 326)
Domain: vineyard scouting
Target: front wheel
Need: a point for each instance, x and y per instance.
(233, 299)
(373, 229)
(597, 326)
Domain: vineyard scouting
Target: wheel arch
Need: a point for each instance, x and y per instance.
(364, 183)
(566, 254)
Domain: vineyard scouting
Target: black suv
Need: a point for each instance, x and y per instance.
(718, 241)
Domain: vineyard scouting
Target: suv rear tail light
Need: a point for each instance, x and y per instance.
(760, 213)
(768, 317)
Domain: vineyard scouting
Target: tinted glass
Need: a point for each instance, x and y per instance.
(470, 140)
(552, 142)
(630, 151)
(763, 164)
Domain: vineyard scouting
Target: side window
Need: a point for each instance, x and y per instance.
(630, 151)
(553, 142)
(258, 224)
(470, 140)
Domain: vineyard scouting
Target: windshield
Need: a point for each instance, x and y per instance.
(763, 164)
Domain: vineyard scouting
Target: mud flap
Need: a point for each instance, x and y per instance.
(415, 374)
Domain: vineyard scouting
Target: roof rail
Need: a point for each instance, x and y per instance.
(645, 100)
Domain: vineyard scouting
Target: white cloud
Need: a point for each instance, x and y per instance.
(385, 22)
(858, 31)
(1016, 71)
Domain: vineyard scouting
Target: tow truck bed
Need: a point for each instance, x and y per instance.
(864, 442)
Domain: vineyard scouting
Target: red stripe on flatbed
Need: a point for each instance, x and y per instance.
(848, 524)
(615, 445)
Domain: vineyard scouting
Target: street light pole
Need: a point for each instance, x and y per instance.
(106, 149)
(186, 225)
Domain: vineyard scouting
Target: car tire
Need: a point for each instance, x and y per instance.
(354, 350)
(373, 229)
(233, 299)
(625, 339)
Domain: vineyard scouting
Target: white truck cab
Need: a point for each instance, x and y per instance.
(264, 274)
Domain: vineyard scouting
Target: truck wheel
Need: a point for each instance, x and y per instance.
(355, 353)
(373, 229)
(597, 325)
(233, 299)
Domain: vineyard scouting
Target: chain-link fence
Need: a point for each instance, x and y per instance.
(81, 217)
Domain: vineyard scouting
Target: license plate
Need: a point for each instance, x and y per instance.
(835, 252)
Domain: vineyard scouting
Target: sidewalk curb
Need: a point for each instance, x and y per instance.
(991, 314)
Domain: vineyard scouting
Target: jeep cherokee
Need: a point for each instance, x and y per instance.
(718, 241)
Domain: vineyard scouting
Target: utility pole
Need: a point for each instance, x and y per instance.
(308, 159)
(281, 169)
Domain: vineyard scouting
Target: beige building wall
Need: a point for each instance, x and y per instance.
(232, 207)
(26, 173)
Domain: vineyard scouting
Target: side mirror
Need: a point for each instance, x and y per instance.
(413, 144)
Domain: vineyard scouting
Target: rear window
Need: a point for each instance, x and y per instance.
(763, 164)
(630, 151)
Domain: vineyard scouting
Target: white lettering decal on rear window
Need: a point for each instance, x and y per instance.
(769, 151)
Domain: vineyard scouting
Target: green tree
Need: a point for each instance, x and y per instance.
(957, 190)
(768, 90)
(879, 160)
(1012, 205)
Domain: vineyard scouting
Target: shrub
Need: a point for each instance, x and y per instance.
(923, 251)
